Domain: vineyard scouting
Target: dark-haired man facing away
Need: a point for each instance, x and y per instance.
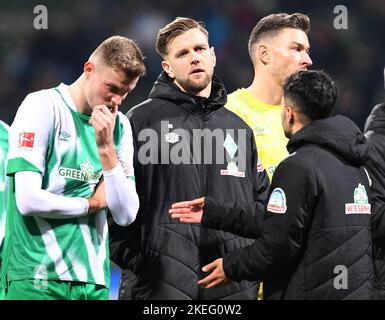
(316, 240)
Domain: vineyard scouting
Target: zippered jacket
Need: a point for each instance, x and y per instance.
(316, 240)
(186, 147)
(375, 133)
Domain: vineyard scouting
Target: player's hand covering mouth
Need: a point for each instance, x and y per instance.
(113, 109)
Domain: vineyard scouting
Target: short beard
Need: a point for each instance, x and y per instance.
(194, 88)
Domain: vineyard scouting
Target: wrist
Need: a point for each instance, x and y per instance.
(108, 159)
(106, 149)
(94, 205)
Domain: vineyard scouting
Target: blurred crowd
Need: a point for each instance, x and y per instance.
(33, 59)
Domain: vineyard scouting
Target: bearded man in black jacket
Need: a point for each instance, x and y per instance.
(186, 145)
(316, 240)
(375, 133)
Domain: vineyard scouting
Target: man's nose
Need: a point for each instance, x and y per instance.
(195, 57)
(117, 100)
(307, 60)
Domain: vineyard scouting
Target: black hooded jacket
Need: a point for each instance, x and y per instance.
(179, 141)
(375, 134)
(316, 240)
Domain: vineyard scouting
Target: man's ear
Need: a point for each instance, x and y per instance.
(214, 56)
(291, 115)
(89, 68)
(262, 52)
(167, 68)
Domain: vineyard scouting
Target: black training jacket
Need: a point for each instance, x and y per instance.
(375, 134)
(316, 240)
(166, 255)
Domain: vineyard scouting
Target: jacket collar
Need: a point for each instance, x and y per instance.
(165, 89)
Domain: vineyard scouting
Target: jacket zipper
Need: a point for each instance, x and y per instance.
(202, 193)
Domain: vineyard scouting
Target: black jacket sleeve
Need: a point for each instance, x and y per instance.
(124, 245)
(376, 169)
(240, 218)
(231, 217)
(124, 242)
(261, 183)
(291, 196)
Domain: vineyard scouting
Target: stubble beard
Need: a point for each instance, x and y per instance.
(194, 87)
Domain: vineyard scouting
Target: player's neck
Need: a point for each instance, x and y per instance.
(76, 90)
(266, 90)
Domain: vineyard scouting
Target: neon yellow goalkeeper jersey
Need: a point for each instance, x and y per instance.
(265, 121)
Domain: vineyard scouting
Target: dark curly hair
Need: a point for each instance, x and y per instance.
(312, 92)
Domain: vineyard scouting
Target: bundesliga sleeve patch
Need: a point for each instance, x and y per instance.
(277, 201)
(26, 140)
(361, 204)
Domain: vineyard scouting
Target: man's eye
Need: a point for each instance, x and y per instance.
(113, 89)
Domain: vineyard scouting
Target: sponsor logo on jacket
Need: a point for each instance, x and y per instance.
(361, 204)
(277, 201)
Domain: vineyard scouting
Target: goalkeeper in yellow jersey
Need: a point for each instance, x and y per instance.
(278, 46)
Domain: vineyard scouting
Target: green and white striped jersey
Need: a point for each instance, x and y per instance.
(3, 157)
(49, 136)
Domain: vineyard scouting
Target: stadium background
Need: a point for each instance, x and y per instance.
(33, 59)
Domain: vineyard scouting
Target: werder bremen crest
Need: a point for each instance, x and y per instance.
(231, 148)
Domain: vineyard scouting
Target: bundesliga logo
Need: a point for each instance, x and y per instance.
(26, 140)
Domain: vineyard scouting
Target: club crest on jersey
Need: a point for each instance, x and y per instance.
(361, 204)
(277, 201)
(231, 148)
(26, 140)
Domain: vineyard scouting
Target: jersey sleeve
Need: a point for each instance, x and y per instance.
(126, 149)
(29, 135)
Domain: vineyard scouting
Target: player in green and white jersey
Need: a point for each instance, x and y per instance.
(70, 158)
(3, 157)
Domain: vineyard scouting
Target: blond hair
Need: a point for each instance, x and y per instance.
(121, 54)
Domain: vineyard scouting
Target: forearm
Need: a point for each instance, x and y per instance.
(258, 261)
(122, 199)
(231, 217)
(31, 200)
